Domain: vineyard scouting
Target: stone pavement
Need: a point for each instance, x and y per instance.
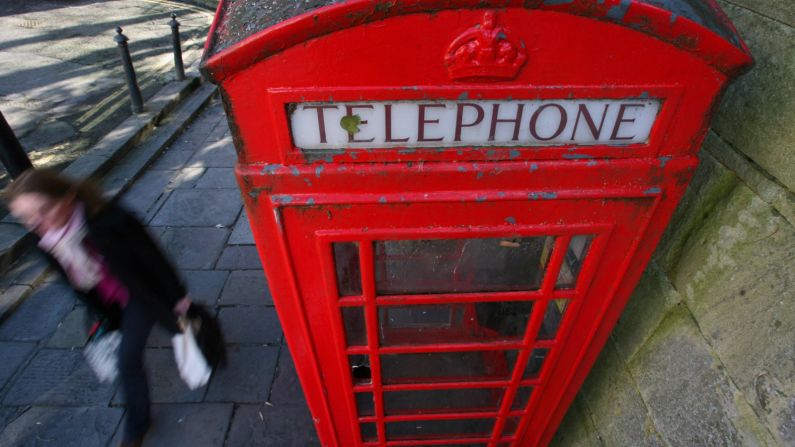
(61, 82)
(189, 200)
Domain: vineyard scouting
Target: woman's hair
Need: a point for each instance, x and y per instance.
(50, 183)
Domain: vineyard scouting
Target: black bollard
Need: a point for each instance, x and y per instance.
(12, 155)
(132, 81)
(177, 47)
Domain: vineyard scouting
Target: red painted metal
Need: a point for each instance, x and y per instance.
(300, 203)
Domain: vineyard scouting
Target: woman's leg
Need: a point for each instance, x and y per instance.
(135, 328)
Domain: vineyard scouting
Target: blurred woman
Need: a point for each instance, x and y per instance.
(114, 266)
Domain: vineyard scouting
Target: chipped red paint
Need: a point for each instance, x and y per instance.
(299, 203)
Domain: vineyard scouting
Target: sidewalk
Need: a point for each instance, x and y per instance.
(61, 82)
(189, 200)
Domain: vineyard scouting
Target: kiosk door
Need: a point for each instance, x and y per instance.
(445, 323)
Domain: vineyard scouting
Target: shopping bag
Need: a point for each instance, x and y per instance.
(192, 365)
(102, 354)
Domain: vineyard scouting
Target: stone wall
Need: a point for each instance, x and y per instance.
(704, 353)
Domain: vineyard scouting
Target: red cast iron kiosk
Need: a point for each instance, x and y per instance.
(453, 200)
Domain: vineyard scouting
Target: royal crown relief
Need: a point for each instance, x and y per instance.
(485, 52)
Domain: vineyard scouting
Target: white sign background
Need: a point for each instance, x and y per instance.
(617, 122)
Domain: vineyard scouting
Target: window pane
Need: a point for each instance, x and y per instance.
(535, 363)
(552, 319)
(346, 261)
(454, 323)
(522, 398)
(360, 369)
(572, 263)
(447, 366)
(353, 320)
(510, 427)
(368, 431)
(443, 401)
(364, 404)
(460, 265)
(434, 429)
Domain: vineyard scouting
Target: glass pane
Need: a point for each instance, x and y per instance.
(510, 427)
(535, 363)
(552, 319)
(460, 428)
(522, 398)
(572, 263)
(460, 265)
(443, 401)
(353, 319)
(364, 404)
(447, 366)
(368, 431)
(454, 323)
(346, 261)
(360, 369)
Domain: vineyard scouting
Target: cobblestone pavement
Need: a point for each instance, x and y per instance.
(190, 202)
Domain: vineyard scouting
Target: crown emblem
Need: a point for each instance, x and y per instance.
(485, 52)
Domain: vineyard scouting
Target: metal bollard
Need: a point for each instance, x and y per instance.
(12, 155)
(126, 61)
(175, 40)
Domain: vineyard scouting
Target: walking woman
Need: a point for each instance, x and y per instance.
(114, 266)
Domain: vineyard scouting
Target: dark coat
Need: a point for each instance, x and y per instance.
(137, 261)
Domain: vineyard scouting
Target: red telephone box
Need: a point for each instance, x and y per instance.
(453, 200)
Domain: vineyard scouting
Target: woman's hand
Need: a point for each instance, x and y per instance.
(182, 306)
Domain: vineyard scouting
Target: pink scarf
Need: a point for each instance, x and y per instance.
(85, 268)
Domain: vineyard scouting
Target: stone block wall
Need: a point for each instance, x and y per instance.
(704, 354)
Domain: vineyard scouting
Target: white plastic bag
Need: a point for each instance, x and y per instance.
(102, 354)
(192, 365)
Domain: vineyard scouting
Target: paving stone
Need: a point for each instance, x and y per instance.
(193, 425)
(73, 330)
(143, 194)
(196, 208)
(62, 427)
(173, 158)
(57, 377)
(692, 401)
(8, 414)
(186, 178)
(576, 429)
(11, 296)
(250, 324)
(272, 426)
(247, 377)
(27, 270)
(621, 417)
(204, 286)
(736, 275)
(218, 178)
(239, 257)
(38, 315)
(218, 154)
(13, 354)
(242, 234)
(165, 385)
(246, 287)
(286, 388)
(194, 248)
